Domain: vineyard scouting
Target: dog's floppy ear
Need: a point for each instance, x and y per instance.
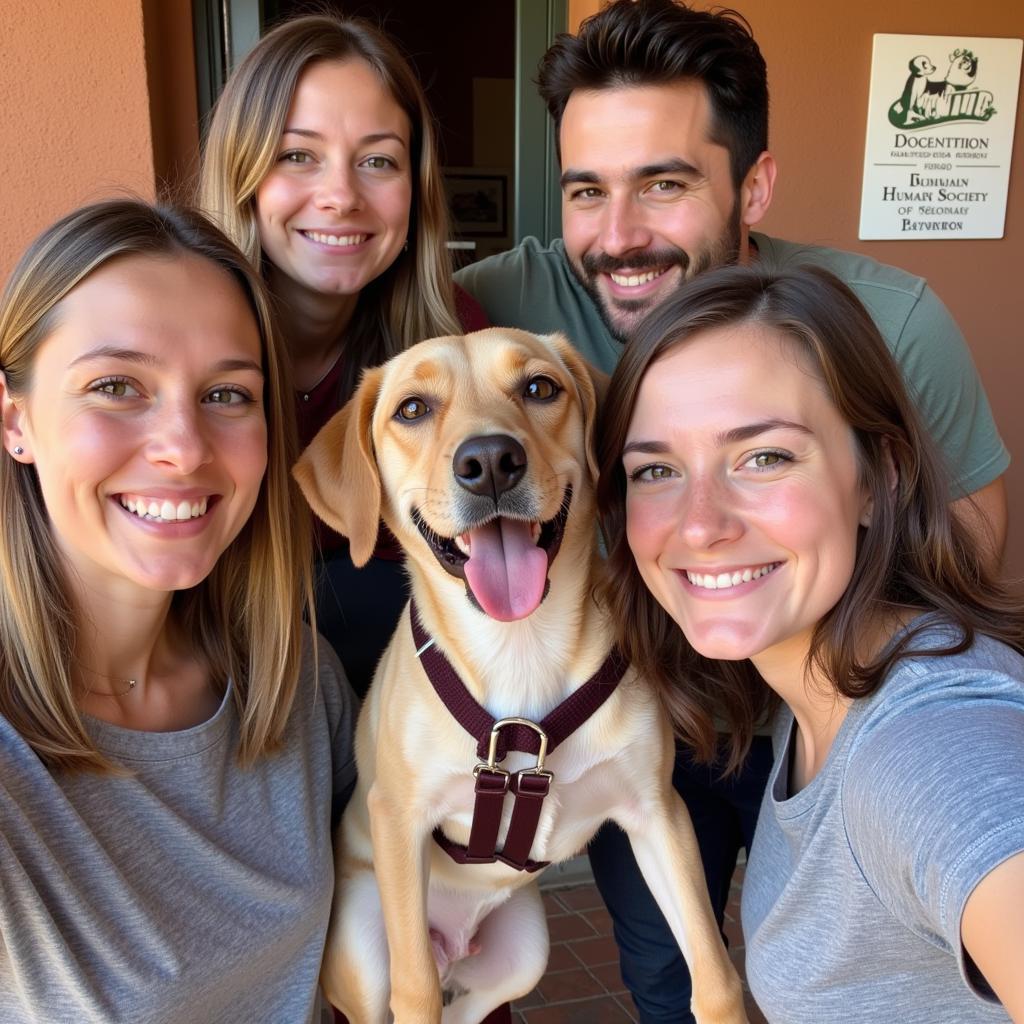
(338, 471)
(591, 385)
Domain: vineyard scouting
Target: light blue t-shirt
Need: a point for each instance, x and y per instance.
(856, 885)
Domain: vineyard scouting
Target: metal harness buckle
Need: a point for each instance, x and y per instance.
(491, 764)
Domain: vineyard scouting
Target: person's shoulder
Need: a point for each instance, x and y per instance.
(530, 256)
(529, 249)
(938, 634)
(936, 672)
(934, 699)
(860, 272)
(532, 287)
(322, 678)
(21, 769)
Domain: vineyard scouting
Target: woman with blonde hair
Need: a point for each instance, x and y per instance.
(779, 533)
(321, 164)
(170, 748)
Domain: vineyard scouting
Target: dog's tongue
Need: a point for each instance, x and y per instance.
(506, 570)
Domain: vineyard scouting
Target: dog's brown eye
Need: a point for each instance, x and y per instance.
(541, 389)
(412, 409)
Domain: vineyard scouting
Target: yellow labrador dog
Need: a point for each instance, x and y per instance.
(501, 729)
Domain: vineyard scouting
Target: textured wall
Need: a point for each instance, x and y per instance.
(75, 117)
(819, 61)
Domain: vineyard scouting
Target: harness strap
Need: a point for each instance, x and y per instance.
(530, 789)
(558, 724)
(458, 853)
(491, 787)
(529, 786)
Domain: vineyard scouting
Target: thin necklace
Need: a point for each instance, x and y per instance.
(306, 392)
(128, 683)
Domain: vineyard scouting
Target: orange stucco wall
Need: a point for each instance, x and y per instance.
(819, 61)
(75, 113)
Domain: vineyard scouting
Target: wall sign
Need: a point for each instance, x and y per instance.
(941, 113)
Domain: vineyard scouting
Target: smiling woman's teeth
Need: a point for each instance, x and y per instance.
(325, 239)
(724, 580)
(164, 511)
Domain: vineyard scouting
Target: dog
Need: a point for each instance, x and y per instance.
(477, 452)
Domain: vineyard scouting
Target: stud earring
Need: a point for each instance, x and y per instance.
(19, 450)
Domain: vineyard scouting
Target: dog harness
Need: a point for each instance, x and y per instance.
(494, 739)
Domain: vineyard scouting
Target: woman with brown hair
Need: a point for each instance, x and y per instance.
(779, 532)
(171, 748)
(321, 164)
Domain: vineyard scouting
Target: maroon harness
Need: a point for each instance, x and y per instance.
(494, 739)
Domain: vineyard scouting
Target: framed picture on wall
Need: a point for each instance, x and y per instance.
(478, 201)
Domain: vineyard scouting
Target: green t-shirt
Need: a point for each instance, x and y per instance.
(533, 288)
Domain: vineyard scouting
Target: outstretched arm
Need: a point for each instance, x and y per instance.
(992, 930)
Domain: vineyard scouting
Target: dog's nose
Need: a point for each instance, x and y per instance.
(489, 465)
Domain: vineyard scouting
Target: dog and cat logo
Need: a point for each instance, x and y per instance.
(931, 97)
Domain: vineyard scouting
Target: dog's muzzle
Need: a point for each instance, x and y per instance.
(503, 558)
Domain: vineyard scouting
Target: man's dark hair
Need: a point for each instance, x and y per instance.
(657, 42)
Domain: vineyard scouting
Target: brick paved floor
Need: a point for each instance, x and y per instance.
(582, 984)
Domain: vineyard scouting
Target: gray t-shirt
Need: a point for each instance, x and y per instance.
(856, 885)
(533, 287)
(189, 890)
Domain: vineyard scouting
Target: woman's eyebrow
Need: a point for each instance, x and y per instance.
(745, 433)
(366, 140)
(128, 355)
(646, 447)
(726, 437)
(131, 355)
(227, 365)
